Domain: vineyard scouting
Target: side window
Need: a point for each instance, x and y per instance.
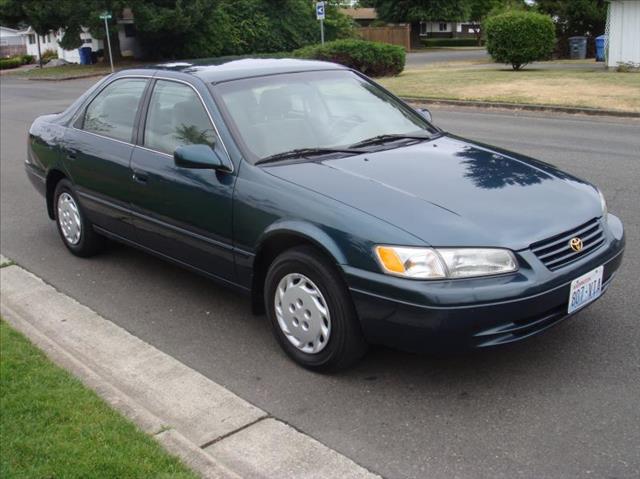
(113, 112)
(176, 117)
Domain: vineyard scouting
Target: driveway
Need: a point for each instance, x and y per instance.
(564, 404)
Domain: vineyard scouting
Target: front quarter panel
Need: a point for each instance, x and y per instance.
(266, 205)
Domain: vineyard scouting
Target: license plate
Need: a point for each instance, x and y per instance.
(585, 289)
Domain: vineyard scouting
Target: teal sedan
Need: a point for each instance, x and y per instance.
(344, 214)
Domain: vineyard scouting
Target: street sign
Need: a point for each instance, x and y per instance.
(320, 16)
(107, 16)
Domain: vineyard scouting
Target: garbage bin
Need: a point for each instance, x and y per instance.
(85, 55)
(601, 41)
(577, 48)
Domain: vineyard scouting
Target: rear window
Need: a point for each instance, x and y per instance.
(112, 113)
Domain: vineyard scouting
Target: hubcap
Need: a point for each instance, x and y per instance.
(302, 313)
(69, 218)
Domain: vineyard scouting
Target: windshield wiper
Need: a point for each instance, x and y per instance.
(386, 138)
(306, 152)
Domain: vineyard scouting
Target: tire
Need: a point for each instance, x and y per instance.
(74, 227)
(303, 289)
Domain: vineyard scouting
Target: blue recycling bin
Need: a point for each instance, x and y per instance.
(600, 45)
(85, 55)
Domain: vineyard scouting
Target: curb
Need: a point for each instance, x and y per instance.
(523, 106)
(74, 77)
(213, 431)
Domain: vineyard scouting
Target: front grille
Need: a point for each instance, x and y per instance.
(555, 252)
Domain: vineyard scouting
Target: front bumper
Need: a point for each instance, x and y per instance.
(457, 315)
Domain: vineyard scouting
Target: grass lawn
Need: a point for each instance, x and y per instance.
(51, 426)
(593, 88)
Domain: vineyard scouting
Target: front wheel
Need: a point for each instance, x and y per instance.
(311, 311)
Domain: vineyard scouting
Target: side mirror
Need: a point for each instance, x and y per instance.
(200, 157)
(424, 113)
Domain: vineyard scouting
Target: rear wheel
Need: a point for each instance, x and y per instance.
(311, 311)
(74, 227)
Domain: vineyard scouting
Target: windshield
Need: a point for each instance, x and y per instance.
(314, 110)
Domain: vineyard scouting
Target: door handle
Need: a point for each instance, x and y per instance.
(71, 154)
(140, 177)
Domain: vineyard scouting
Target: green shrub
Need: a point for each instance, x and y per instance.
(371, 58)
(7, 63)
(49, 55)
(28, 59)
(519, 37)
(450, 42)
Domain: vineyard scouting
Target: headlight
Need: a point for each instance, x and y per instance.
(603, 204)
(440, 263)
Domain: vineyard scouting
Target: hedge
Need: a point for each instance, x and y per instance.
(371, 58)
(450, 42)
(7, 63)
(520, 37)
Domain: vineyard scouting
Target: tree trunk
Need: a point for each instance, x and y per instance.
(477, 30)
(39, 52)
(115, 43)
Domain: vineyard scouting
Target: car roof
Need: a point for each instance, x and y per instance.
(232, 68)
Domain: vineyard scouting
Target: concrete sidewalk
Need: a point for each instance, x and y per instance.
(214, 431)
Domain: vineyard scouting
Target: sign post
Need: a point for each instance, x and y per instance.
(320, 16)
(107, 16)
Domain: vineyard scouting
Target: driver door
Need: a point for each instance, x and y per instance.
(181, 213)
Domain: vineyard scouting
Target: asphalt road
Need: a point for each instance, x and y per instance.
(425, 57)
(564, 404)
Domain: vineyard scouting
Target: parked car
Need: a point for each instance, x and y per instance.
(345, 214)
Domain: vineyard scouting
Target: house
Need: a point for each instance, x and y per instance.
(11, 43)
(127, 37)
(623, 29)
(49, 42)
(446, 29)
(362, 16)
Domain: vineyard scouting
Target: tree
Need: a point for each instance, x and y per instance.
(419, 10)
(42, 15)
(520, 37)
(71, 15)
(575, 17)
(87, 15)
(210, 28)
(478, 12)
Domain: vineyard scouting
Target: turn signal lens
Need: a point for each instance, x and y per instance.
(422, 263)
(390, 260)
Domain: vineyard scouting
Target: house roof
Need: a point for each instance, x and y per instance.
(360, 13)
(10, 31)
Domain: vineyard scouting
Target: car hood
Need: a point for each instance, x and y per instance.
(453, 192)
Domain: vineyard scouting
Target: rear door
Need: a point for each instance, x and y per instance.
(182, 213)
(98, 148)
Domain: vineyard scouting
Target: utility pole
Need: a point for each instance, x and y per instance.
(39, 52)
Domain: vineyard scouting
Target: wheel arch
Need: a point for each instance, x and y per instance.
(53, 178)
(280, 238)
